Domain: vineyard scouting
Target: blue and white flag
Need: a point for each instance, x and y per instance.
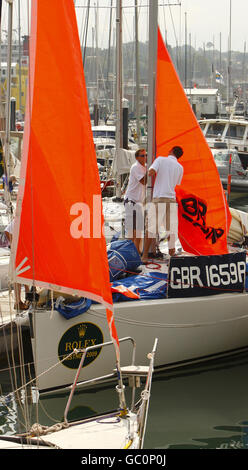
(219, 77)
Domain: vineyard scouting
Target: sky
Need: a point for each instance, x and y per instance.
(206, 20)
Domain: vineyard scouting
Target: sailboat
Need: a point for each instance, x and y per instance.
(58, 176)
(198, 311)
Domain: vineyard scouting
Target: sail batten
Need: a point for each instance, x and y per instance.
(204, 216)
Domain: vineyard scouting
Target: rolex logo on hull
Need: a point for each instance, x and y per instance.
(79, 336)
(82, 330)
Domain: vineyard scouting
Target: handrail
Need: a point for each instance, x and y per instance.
(84, 351)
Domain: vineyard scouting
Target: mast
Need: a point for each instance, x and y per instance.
(152, 60)
(8, 104)
(229, 56)
(96, 105)
(20, 55)
(119, 116)
(137, 73)
(108, 61)
(243, 75)
(220, 64)
(185, 59)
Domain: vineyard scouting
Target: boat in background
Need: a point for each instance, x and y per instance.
(104, 135)
(232, 174)
(227, 134)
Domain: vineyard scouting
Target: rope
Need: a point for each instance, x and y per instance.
(40, 430)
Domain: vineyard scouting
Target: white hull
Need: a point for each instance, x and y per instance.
(187, 330)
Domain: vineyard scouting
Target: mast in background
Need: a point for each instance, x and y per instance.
(229, 55)
(119, 114)
(20, 56)
(96, 105)
(243, 75)
(109, 95)
(152, 60)
(185, 55)
(137, 72)
(8, 106)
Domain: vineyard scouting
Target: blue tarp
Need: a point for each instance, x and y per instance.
(151, 285)
(74, 309)
(122, 257)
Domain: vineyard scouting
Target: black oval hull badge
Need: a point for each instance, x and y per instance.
(79, 336)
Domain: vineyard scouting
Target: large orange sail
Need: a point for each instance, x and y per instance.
(204, 216)
(58, 239)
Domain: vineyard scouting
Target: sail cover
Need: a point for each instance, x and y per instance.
(58, 241)
(204, 216)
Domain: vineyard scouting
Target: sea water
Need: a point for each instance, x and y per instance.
(203, 406)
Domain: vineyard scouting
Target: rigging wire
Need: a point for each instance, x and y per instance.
(85, 35)
(178, 3)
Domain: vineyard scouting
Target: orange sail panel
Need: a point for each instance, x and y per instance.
(58, 239)
(204, 216)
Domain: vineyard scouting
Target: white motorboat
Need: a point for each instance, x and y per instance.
(227, 133)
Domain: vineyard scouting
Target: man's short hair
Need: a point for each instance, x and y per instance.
(178, 151)
(137, 153)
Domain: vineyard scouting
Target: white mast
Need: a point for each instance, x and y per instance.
(229, 65)
(152, 60)
(20, 55)
(119, 116)
(137, 72)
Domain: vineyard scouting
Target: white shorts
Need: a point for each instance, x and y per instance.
(162, 215)
(134, 219)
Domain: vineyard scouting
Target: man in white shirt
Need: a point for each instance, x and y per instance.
(163, 209)
(133, 199)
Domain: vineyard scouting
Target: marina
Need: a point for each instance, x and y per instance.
(203, 407)
(84, 304)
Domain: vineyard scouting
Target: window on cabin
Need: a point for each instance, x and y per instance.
(202, 126)
(103, 133)
(235, 132)
(221, 157)
(215, 129)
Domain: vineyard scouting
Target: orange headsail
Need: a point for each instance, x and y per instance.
(204, 216)
(58, 238)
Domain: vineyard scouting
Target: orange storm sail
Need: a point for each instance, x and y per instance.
(58, 239)
(204, 216)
